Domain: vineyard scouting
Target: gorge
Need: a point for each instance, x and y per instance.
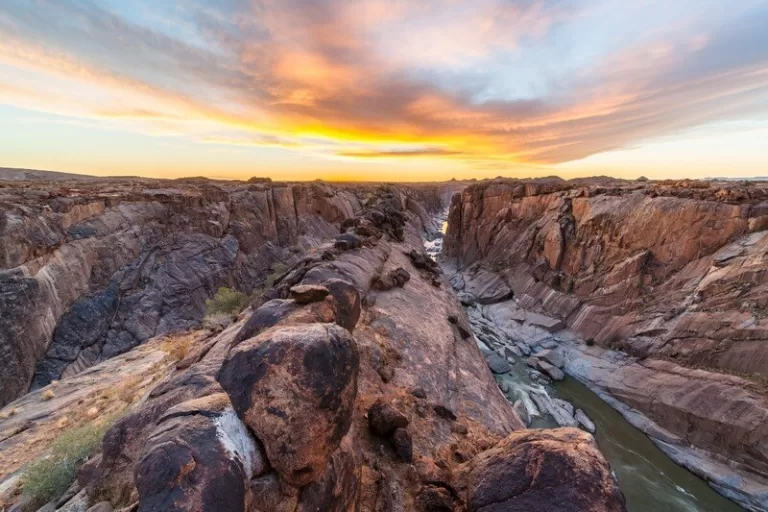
(363, 375)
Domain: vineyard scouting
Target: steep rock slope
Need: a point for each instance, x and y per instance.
(672, 273)
(353, 384)
(89, 270)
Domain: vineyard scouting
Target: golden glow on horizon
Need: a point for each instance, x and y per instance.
(377, 91)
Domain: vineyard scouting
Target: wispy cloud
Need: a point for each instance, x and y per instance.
(400, 153)
(440, 79)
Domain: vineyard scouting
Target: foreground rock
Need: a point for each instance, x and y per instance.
(358, 401)
(540, 471)
(295, 387)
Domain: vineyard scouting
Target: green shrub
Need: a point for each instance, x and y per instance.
(275, 271)
(226, 301)
(48, 478)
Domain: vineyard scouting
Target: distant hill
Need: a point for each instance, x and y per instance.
(13, 174)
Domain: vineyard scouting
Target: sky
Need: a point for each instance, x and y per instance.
(385, 90)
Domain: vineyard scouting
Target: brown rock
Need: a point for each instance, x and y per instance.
(395, 278)
(432, 498)
(190, 464)
(337, 488)
(295, 387)
(306, 293)
(403, 445)
(540, 471)
(383, 419)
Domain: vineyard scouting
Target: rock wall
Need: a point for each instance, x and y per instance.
(353, 384)
(90, 269)
(666, 270)
(671, 273)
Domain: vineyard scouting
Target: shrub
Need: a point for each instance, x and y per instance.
(47, 395)
(226, 301)
(48, 478)
(590, 342)
(275, 271)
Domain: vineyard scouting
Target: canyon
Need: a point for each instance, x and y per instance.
(659, 288)
(368, 374)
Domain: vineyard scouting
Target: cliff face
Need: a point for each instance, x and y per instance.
(89, 270)
(657, 270)
(673, 274)
(353, 384)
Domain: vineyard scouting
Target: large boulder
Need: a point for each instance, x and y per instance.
(200, 457)
(295, 387)
(540, 471)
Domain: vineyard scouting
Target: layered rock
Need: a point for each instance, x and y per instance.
(671, 273)
(657, 269)
(280, 403)
(90, 269)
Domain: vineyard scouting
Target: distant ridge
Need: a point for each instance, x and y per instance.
(14, 174)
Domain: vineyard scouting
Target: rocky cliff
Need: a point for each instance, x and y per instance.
(89, 270)
(673, 274)
(354, 383)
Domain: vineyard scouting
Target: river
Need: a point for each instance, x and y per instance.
(650, 481)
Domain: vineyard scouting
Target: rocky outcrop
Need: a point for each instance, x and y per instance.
(91, 269)
(671, 270)
(670, 273)
(539, 470)
(358, 401)
(305, 379)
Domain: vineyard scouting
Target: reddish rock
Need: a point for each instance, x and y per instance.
(402, 443)
(394, 279)
(540, 471)
(383, 419)
(199, 458)
(306, 293)
(295, 387)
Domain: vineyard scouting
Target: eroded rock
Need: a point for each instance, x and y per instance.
(540, 470)
(295, 387)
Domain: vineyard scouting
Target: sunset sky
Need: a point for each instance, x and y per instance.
(385, 89)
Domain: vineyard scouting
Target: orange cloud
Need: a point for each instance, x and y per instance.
(366, 77)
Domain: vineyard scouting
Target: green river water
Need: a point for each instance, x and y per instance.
(651, 482)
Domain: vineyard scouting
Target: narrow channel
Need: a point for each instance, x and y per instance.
(650, 481)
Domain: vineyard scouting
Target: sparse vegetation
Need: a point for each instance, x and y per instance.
(275, 271)
(47, 395)
(227, 301)
(48, 478)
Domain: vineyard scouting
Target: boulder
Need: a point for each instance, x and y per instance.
(553, 357)
(266, 316)
(540, 471)
(384, 419)
(347, 241)
(200, 457)
(348, 302)
(396, 278)
(306, 293)
(554, 372)
(584, 421)
(433, 498)
(295, 387)
(498, 364)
